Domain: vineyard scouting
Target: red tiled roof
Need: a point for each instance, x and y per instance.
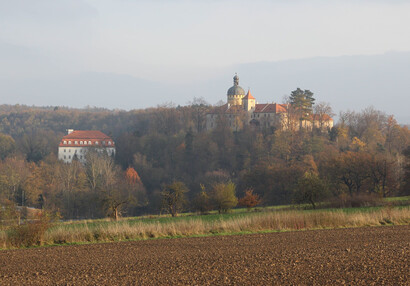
(86, 134)
(92, 136)
(249, 95)
(259, 108)
(270, 108)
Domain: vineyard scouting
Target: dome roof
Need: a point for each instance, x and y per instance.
(236, 89)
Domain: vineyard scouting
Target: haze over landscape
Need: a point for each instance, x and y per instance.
(187, 142)
(137, 54)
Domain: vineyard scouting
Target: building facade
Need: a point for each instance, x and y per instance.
(241, 108)
(77, 143)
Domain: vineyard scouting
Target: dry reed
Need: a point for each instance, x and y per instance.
(264, 221)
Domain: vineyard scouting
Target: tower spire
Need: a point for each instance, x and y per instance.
(236, 79)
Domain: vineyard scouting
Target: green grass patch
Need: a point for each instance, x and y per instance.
(398, 199)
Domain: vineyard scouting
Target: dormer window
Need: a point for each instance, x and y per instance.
(89, 142)
(81, 142)
(69, 142)
(109, 142)
(76, 142)
(85, 142)
(65, 142)
(96, 142)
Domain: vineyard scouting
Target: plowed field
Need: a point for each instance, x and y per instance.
(360, 256)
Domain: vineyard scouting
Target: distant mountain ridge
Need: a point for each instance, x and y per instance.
(347, 82)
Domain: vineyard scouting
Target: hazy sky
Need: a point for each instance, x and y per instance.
(139, 53)
(179, 40)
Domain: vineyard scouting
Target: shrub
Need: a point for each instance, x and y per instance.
(9, 215)
(356, 201)
(173, 197)
(310, 189)
(31, 233)
(250, 199)
(223, 196)
(202, 202)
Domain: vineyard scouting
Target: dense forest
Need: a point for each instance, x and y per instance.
(167, 147)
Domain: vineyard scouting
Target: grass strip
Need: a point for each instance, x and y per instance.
(236, 223)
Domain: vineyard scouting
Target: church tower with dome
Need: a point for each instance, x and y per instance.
(236, 93)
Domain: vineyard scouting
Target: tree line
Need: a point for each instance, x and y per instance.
(167, 147)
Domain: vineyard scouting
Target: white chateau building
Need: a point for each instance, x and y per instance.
(242, 108)
(77, 142)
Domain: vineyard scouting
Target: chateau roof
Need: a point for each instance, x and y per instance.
(87, 134)
(249, 95)
(270, 108)
(86, 138)
(236, 89)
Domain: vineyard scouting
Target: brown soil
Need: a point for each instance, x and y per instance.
(361, 256)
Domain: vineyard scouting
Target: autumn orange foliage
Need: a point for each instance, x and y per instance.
(132, 176)
(250, 199)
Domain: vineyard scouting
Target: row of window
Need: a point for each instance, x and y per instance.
(69, 157)
(83, 151)
(75, 151)
(86, 143)
(264, 115)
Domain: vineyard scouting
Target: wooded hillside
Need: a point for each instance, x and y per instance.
(367, 152)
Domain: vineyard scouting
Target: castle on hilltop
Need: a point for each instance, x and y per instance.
(241, 108)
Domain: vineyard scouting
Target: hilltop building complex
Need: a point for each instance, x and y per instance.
(242, 108)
